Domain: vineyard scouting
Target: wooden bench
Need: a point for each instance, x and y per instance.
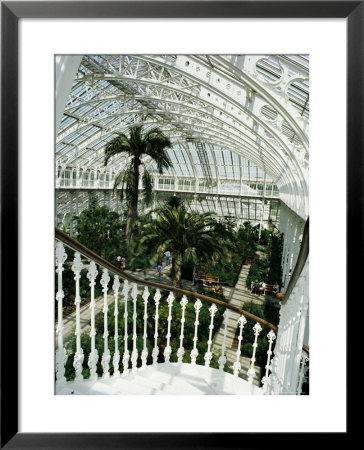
(210, 282)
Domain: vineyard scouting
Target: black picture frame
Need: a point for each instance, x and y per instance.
(11, 12)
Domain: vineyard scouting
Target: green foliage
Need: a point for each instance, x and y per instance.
(249, 337)
(189, 236)
(101, 230)
(269, 268)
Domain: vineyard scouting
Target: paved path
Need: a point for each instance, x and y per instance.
(238, 297)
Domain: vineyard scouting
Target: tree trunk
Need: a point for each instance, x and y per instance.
(133, 206)
(176, 269)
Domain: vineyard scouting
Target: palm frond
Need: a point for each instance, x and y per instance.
(115, 146)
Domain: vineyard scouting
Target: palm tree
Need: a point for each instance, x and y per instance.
(152, 143)
(189, 236)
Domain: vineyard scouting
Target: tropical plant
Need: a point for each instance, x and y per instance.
(152, 143)
(101, 230)
(189, 236)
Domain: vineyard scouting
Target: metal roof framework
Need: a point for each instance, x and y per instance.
(237, 118)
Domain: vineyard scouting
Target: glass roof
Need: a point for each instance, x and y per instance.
(230, 117)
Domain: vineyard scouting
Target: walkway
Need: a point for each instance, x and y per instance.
(239, 296)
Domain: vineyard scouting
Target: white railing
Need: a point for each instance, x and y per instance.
(153, 304)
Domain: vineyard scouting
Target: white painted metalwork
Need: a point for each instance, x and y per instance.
(79, 356)
(168, 349)
(144, 354)
(181, 350)
(93, 356)
(155, 352)
(251, 372)
(194, 352)
(304, 361)
(61, 354)
(106, 355)
(265, 379)
(208, 354)
(126, 352)
(237, 365)
(116, 358)
(134, 354)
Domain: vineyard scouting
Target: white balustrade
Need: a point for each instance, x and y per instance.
(237, 365)
(155, 351)
(194, 352)
(144, 354)
(265, 380)
(116, 358)
(277, 378)
(61, 354)
(222, 359)
(251, 372)
(126, 352)
(106, 355)
(134, 354)
(79, 356)
(208, 354)
(168, 349)
(93, 356)
(181, 350)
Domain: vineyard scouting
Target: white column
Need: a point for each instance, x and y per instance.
(155, 351)
(61, 354)
(208, 354)
(126, 352)
(66, 70)
(237, 365)
(116, 358)
(168, 349)
(106, 355)
(93, 356)
(79, 356)
(181, 350)
(145, 317)
(134, 354)
(194, 352)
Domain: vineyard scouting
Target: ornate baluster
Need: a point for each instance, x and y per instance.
(79, 356)
(304, 360)
(251, 372)
(155, 351)
(222, 359)
(168, 349)
(116, 358)
(237, 364)
(144, 354)
(106, 356)
(126, 352)
(93, 356)
(134, 354)
(265, 381)
(181, 350)
(194, 352)
(208, 354)
(61, 354)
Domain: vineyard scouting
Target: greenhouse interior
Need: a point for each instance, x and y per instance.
(181, 225)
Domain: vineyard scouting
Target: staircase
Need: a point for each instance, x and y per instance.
(164, 379)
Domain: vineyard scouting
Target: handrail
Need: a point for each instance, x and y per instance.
(75, 245)
(301, 260)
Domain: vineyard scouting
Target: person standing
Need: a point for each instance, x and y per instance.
(168, 257)
(275, 289)
(159, 268)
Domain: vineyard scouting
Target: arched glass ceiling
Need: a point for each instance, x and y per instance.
(226, 115)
